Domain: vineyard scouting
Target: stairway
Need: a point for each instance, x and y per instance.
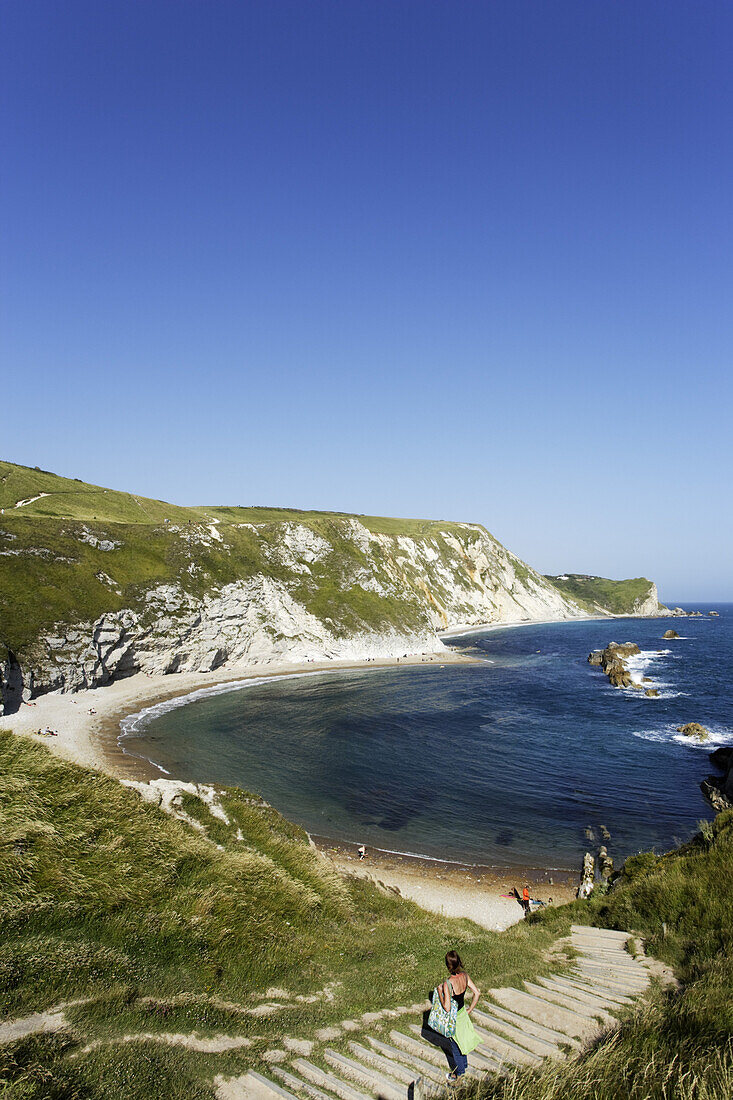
(549, 1018)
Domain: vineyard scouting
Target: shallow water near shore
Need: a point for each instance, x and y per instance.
(509, 761)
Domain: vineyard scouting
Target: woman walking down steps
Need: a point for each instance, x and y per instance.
(465, 1039)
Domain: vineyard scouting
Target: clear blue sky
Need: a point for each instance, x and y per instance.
(466, 260)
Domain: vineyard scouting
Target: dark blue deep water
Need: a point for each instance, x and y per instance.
(506, 762)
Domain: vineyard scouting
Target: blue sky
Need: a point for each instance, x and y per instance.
(459, 260)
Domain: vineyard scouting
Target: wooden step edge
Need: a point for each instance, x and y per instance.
(588, 985)
(273, 1086)
(414, 1061)
(343, 1089)
(382, 1087)
(299, 1085)
(564, 1020)
(520, 1021)
(516, 1035)
(572, 1004)
(593, 1000)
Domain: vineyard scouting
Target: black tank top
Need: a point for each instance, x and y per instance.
(458, 997)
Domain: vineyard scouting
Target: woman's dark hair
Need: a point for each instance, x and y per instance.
(453, 962)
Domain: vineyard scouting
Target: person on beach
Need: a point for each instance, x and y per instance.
(465, 1039)
(525, 900)
(362, 851)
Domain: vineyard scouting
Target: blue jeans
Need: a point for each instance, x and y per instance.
(458, 1062)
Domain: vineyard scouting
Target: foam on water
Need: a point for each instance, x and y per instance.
(719, 735)
(133, 724)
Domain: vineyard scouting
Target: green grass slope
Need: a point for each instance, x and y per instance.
(679, 1046)
(591, 593)
(154, 927)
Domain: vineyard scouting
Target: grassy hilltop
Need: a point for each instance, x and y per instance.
(600, 594)
(151, 928)
(50, 573)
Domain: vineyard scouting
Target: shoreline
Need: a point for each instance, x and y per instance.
(452, 888)
(88, 722)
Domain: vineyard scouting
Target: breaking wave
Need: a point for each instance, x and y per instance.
(719, 735)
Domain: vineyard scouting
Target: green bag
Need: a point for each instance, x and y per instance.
(465, 1034)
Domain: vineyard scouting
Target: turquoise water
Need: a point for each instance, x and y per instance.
(504, 762)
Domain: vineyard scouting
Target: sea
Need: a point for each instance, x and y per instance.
(525, 757)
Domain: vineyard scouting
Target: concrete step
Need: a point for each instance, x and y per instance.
(541, 1047)
(376, 1083)
(478, 1061)
(422, 1049)
(371, 1057)
(611, 958)
(549, 1015)
(592, 1000)
(531, 1027)
(323, 1079)
(504, 1049)
(415, 1063)
(250, 1086)
(571, 1003)
(590, 985)
(634, 972)
(297, 1085)
(635, 984)
(606, 933)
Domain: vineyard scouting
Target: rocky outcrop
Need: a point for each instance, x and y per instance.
(669, 635)
(588, 876)
(255, 622)
(718, 789)
(611, 660)
(648, 605)
(694, 730)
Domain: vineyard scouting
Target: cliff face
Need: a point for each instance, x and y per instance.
(96, 585)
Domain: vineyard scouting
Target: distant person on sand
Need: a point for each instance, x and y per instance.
(465, 1039)
(362, 851)
(525, 900)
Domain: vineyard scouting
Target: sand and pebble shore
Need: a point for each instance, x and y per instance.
(454, 889)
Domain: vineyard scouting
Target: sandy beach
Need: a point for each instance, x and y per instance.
(454, 889)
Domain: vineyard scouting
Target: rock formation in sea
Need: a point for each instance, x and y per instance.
(718, 789)
(611, 660)
(694, 730)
